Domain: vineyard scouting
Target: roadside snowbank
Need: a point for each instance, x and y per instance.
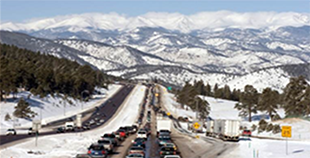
(264, 148)
(68, 145)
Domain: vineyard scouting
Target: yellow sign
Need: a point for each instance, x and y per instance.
(196, 125)
(156, 94)
(168, 113)
(287, 131)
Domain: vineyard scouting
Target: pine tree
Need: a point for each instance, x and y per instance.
(22, 110)
(269, 101)
(186, 94)
(306, 101)
(7, 117)
(215, 88)
(235, 95)
(203, 107)
(227, 92)
(248, 102)
(295, 97)
(208, 90)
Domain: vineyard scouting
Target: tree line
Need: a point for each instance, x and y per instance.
(45, 74)
(295, 99)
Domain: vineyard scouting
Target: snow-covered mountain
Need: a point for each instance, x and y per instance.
(218, 47)
(172, 21)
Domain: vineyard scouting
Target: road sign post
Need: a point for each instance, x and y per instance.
(196, 125)
(287, 133)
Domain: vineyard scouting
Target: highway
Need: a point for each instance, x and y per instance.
(105, 111)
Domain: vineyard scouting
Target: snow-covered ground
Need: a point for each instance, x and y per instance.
(299, 144)
(263, 148)
(68, 145)
(51, 108)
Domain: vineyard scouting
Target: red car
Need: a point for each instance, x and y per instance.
(246, 132)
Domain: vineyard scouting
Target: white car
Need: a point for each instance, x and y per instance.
(172, 156)
(142, 134)
(11, 131)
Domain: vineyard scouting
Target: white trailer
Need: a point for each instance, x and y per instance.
(229, 129)
(217, 128)
(78, 121)
(163, 123)
(210, 128)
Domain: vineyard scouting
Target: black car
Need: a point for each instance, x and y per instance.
(140, 142)
(167, 151)
(135, 127)
(61, 130)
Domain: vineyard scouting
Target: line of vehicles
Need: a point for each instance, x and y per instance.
(167, 148)
(108, 142)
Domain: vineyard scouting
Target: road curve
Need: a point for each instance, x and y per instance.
(105, 111)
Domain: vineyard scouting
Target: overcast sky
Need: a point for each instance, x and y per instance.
(21, 10)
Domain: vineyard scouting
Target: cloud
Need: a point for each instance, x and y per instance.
(172, 21)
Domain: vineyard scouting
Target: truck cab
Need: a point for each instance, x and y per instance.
(69, 126)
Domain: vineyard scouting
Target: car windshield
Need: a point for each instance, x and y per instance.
(163, 139)
(135, 155)
(109, 136)
(142, 132)
(10, 129)
(136, 148)
(167, 149)
(103, 142)
(96, 147)
(139, 139)
(169, 144)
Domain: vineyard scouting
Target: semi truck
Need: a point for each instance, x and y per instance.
(163, 123)
(78, 121)
(224, 129)
(69, 126)
(210, 128)
(230, 130)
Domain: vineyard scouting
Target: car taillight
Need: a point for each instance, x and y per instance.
(161, 153)
(103, 152)
(89, 152)
(174, 153)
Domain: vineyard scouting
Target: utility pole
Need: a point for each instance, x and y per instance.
(197, 108)
(40, 113)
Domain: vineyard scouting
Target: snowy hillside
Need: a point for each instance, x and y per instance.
(108, 57)
(51, 108)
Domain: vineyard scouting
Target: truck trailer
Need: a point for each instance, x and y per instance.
(229, 130)
(224, 129)
(163, 123)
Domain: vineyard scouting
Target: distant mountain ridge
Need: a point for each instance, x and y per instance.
(231, 56)
(172, 21)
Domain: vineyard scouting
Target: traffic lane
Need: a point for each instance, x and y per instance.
(154, 144)
(107, 110)
(91, 111)
(122, 150)
(118, 98)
